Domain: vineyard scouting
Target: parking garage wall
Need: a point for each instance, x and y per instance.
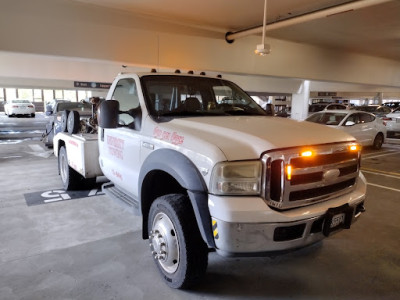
(70, 29)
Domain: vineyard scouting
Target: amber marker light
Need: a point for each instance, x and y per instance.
(307, 153)
(354, 147)
(289, 172)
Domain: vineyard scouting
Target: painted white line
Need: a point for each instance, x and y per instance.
(381, 174)
(384, 187)
(36, 148)
(378, 155)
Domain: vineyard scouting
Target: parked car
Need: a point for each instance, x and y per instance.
(19, 107)
(365, 127)
(58, 118)
(51, 105)
(284, 113)
(378, 110)
(315, 107)
(392, 105)
(335, 106)
(325, 106)
(393, 123)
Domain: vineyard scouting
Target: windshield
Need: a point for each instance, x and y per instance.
(327, 118)
(366, 108)
(186, 96)
(82, 107)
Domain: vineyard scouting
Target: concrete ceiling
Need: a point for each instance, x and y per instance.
(374, 30)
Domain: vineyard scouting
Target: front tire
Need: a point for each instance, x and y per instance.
(178, 249)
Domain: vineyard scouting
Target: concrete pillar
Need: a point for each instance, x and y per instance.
(380, 98)
(300, 101)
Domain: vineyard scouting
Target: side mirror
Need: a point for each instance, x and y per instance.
(108, 114)
(49, 110)
(349, 123)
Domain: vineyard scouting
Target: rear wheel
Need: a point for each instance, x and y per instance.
(178, 249)
(378, 141)
(73, 122)
(70, 178)
(64, 119)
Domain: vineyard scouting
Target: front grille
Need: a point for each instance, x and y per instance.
(331, 171)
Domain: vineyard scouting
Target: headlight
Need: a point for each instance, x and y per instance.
(236, 178)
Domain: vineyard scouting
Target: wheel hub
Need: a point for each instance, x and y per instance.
(164, 243)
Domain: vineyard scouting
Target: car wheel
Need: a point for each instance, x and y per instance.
(32, 115)
(73, 122)
(64, 119)
(378, 141)
(177, 247)
(70, 178)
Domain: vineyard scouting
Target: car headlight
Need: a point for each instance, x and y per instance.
(236, 178)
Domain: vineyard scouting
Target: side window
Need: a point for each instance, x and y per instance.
(365, 118)
(126, 94)
(351, 120)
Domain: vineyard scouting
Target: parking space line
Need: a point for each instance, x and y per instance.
(379, 172)
(378, 155)
(384, 187)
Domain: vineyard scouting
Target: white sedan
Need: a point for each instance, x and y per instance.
(365, 127)
(17, 107)
(393, 123)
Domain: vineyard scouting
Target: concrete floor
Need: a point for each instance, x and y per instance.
(90, 248)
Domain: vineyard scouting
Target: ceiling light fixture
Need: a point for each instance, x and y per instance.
(263, 48)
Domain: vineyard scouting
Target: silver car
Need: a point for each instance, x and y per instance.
(19, 107)
(393, 123)
(368, 129)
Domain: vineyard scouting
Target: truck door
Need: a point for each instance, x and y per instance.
(120, 147)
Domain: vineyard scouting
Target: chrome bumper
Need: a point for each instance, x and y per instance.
(254, 239)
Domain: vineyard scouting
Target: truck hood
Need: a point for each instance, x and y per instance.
(244, 137)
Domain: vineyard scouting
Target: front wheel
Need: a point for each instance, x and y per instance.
(177, 247)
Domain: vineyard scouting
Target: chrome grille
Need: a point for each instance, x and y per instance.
(331, 171)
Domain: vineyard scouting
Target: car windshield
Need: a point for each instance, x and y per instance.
(366, 108)
(316, 107)
(397, 110)
(328, 118)
(186, 96)
(82, 107)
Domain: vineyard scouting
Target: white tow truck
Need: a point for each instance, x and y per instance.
(207, 169)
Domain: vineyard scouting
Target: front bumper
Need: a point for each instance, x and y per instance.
(255, 229)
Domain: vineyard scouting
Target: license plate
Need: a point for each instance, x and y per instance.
(398, 120)
(337, 220)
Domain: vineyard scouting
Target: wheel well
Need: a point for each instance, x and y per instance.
(157, 183)
(60, 144)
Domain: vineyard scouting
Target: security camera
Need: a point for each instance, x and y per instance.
(263, 49)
